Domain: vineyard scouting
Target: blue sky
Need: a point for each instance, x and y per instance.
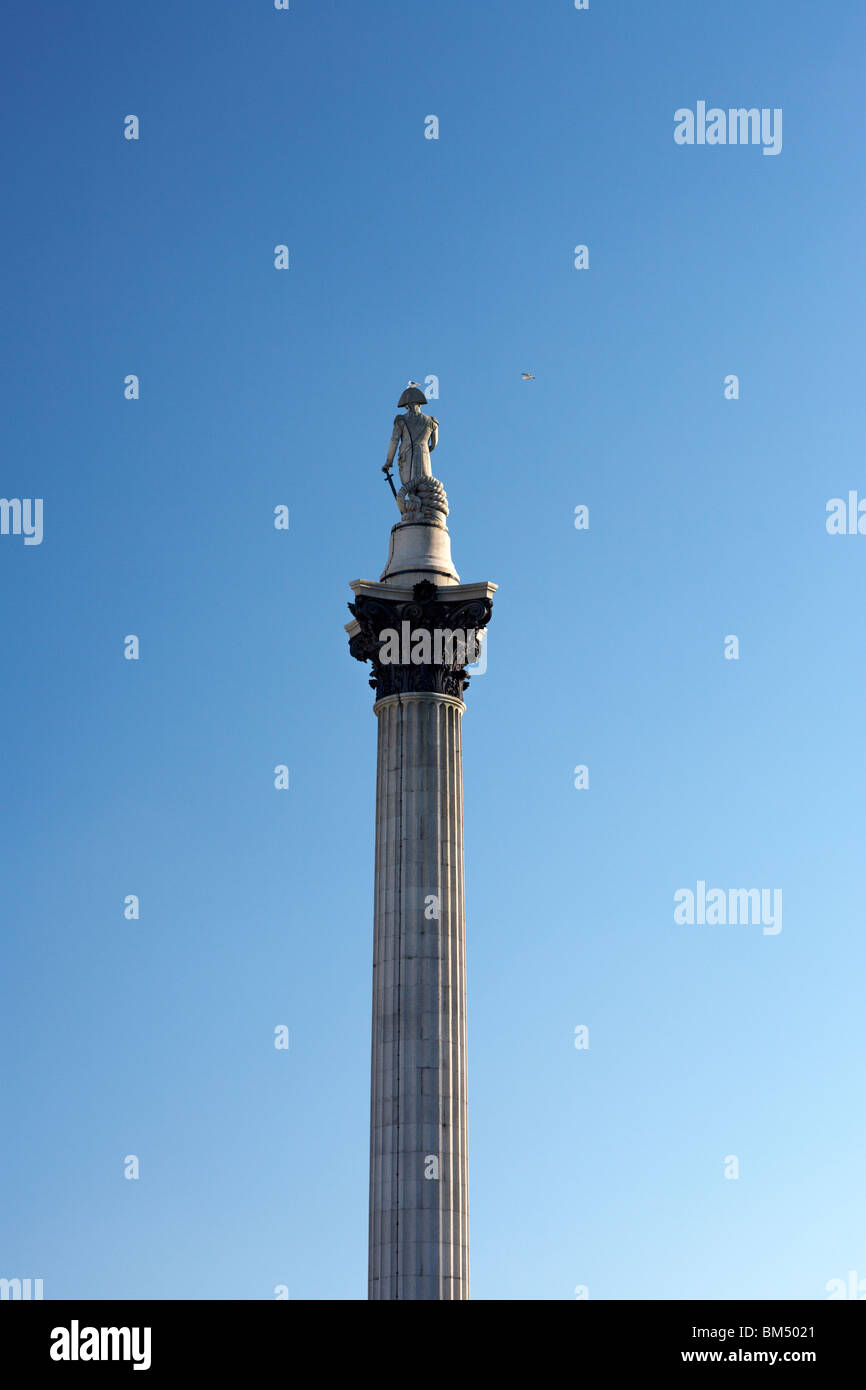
(452, 257)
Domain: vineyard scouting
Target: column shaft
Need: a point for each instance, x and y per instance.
(419, 1202)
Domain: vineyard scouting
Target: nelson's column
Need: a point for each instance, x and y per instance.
(419, 626)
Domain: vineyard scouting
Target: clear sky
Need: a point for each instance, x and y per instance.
(412, 257)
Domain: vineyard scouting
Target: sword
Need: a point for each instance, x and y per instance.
(390, 481)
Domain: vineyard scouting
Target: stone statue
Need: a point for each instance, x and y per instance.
(421, 497)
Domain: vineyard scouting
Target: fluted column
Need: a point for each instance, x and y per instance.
(419, 1201)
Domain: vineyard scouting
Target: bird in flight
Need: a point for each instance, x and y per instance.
(527, 376)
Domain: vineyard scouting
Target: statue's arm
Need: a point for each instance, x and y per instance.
(434, 434)
(393, 443)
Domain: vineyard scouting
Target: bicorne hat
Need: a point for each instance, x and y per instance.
(413, 395)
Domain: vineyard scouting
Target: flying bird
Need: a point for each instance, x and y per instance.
(527, 376)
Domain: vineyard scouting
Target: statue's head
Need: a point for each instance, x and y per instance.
(413, 395)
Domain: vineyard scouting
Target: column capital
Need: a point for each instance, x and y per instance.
(419, 642)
